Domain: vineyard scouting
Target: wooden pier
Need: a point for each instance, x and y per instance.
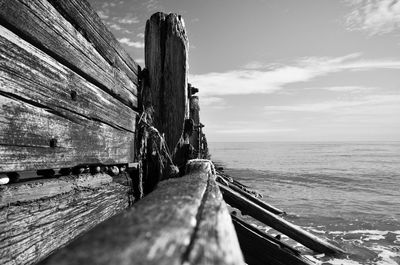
(102, 162)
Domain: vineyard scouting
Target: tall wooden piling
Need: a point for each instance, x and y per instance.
(166, 58)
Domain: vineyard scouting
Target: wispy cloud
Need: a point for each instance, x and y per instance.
(115, 26)
(103, 14)
(337, 105)
(374, 16)
(130, 43)
(254, 131)
(271, 78)
(128, 19)
(351, 89)
(140, 35)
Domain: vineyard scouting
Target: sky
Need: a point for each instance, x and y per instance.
(283, 70)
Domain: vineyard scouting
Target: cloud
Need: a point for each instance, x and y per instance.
(130, 43)
(139, 60)
(140, 35)
(115, 26)
(352, 89)
(128, 20)
(374, 16)
(272, 78)
(103, 14)
(254, 131)
(337, 105)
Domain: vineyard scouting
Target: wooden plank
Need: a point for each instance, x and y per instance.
(31, 230)
(27, 72)
(278, 223)
(39, 23)
(80, 14)
(258, 250)
(216, 241)
(169, 226)
(166, 56)
(252, 198)
(45, 188)
(33, 137)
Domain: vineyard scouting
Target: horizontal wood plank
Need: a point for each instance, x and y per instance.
(85, 19)
(32, 137)
(171, 225)
(42, 25)
(31, 230)
(17, 193)
(29, 73)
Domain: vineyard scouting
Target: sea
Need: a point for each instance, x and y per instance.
(347, 193)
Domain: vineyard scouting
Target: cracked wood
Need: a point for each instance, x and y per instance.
(42, 25)
(30, 230)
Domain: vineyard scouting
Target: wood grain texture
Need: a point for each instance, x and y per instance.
(80, 14)
(45, 188)
(41, 24)
(278, 223)
(29, 73)
(31, 230)
(171, 225)
(26, 133)
(175, 79)
(195, 116)
(166, 58)
(259, 250)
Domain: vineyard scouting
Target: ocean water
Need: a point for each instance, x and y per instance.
(347, 193)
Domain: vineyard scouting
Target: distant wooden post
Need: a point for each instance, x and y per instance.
(166, 58)
(194, 115)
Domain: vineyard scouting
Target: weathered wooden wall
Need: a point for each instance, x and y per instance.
(38, 217)
(68, 91)
(68, 98)
(184, 221)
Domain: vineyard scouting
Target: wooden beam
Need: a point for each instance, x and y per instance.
(166, 58)
(33, 137)
(32, 190)
(295, 232)
(253, 199)
(39, 23)
(184, 221)
(258, 249)
(34, 227)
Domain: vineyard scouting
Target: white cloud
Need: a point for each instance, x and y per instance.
(337, 105)
(115, 26)
(130, 43)
(374, 16)
(102, 14)
(274, 77)
(139, 60)
(254, 130)
(140, 35)
(128, 20)
(351, 89)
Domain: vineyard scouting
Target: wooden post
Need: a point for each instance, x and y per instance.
(194, 115)
(166, 58)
